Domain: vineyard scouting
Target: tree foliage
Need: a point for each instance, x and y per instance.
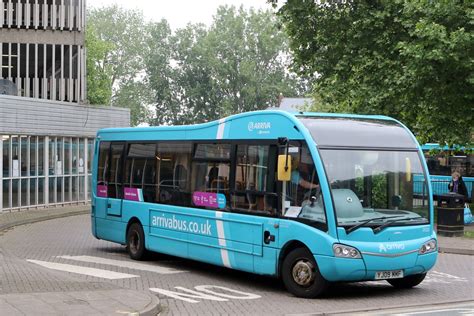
(412, 60)
(99, 74)
(116, 41)
(194, 74)
(202, 73)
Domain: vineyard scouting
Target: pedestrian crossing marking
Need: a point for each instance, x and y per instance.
(124, 264)
(99, 273)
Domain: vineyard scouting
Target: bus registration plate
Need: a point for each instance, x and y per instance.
(383, 275)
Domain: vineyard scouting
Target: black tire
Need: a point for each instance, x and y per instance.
(136, 242)
(407, 282)
(301, 275)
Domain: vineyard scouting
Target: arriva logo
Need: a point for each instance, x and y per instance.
(393, 246)
(258, 126)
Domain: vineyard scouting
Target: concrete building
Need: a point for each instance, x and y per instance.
(46, 131)
(42, 48)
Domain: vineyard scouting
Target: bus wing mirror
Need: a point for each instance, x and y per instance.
(284, 167)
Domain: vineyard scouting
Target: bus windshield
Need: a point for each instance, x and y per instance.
(375, 185)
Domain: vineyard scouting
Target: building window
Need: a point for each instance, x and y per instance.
(41, 147)
(6, 154)
(24, 155)
(6, 194)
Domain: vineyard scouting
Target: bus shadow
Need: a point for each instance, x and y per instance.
(261, 283)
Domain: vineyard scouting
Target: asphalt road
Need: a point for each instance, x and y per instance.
(62, 255)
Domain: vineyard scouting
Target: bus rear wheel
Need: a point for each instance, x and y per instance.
(301, 275)
(407, 282)
(136, 242)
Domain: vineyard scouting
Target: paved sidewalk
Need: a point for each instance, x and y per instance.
(101, 302)
(15, 218)
(457, 245)
(106, 300)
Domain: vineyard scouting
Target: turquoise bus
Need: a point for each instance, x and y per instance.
(310, 198)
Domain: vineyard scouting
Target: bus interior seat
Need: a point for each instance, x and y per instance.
(219, 184)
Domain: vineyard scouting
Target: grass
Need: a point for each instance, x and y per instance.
(469, 234)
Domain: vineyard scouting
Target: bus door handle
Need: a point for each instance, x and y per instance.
(267, 237)
(109, 205)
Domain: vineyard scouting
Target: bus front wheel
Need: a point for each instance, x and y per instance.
(301, 275)
(136, 242)
(407, 282)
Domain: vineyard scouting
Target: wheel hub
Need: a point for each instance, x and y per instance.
(303, 273)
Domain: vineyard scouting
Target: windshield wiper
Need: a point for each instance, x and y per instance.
(351, 229)
(386, 224)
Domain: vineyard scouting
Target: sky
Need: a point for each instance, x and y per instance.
(178, 13)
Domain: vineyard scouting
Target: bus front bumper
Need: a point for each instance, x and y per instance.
(336, 269)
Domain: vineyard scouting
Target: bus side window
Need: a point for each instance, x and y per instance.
(173, 161)
(254, 179)
(139, 158)
(211, 170)
(115, 173)
(102, 167)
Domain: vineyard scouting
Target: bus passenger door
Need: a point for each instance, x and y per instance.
(255, 194)
(101, 194)
(114, 184)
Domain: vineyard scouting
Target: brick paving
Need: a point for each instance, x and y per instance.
(27, 289)
(23, 284)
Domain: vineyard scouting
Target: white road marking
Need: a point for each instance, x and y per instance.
(440, 277)
(241, 295)
(188, 296)
(124, 264)
(205, 292)
(99, 273)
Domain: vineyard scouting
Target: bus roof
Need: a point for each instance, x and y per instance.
(274, 124)
(288, 114)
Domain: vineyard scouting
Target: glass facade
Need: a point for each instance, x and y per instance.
(44, 171)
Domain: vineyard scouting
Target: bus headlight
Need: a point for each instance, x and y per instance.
(343, 251)
(428, 247)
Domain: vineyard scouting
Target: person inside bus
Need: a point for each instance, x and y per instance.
(212, 178)
(303, 179)
(457, 184)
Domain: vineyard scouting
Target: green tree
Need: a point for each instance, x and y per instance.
(117, 38)
(99, 73)
(160, 73)
(237, 64)
(412, 60)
